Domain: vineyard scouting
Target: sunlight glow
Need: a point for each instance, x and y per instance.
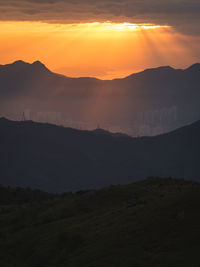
(106, 50)
(125, 26)
(22, 26)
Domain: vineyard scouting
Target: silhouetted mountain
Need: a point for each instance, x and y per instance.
(21, 65)
(58, 159)
(147, 103)
(163, 70)
(194, 68)
(104, 132)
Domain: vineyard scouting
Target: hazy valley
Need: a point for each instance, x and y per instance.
(151, 102)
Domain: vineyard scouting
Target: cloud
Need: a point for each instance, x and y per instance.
(183, 15)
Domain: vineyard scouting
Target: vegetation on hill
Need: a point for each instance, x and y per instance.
(154, 222)
(17, 195)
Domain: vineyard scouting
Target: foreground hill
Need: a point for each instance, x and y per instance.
(16, 195)
(58, 159)
(151, 223)
(147, 103)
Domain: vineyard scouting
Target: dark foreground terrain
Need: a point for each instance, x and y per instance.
(154, 222)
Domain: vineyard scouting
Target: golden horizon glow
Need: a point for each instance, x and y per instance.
(24, 26)
(105, 50)
(124, 26)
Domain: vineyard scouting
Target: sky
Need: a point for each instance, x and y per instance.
(105, 39)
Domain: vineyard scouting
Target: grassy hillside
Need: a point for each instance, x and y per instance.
(154, 222)
(16, 195)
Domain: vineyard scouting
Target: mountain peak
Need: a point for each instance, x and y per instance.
(38, 62)
(155, 71)
(162, 68)
(159, 69)
(16, 65)
(19, 62)
(39, 65)
(194, 67)
(2, 119)
(21, 65)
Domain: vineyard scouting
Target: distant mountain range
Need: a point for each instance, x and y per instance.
(147, 103)
(58, 159)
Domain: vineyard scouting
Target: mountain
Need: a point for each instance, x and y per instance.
(151, 223)
(150, 102)
(58, 159)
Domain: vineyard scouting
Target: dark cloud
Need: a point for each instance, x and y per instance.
(183, 15)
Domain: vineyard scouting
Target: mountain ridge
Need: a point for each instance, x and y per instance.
(23, 64)
(57, 159)
(101, 131)
(148, 103)
(195, 66)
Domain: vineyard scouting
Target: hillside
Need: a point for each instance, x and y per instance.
(17, 195)
(58, 159)
(151, 102)
(151, 223)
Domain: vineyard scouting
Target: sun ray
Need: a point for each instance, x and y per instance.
(105, 50)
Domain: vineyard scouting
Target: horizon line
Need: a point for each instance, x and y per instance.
(93, 77)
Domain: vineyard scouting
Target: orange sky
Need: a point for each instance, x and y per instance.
(103, 50)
